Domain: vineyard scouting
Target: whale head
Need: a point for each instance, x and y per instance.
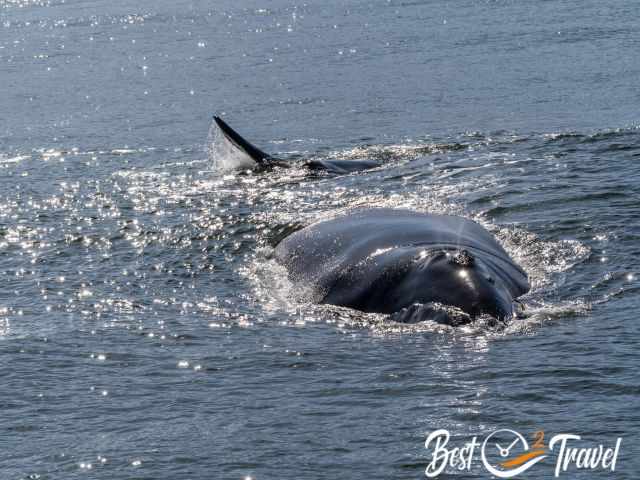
(458, 278)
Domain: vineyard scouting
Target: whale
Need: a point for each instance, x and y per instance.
(264, 161)
(413, 266)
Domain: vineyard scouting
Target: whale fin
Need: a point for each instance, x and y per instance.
(257, 155)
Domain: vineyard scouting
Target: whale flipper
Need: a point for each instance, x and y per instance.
(257, 155)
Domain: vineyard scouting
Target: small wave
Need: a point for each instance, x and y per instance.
(5, 326)
(24, 3)
(614, 284)
(596, 136)
(60, 153)
(540, 313)
(395, 152)
(16, 159)
(125, 151)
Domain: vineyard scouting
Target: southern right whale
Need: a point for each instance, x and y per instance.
(264, 160)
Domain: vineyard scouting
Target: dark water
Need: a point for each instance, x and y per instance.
(144, 332)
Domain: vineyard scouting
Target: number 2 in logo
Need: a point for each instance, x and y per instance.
(538, 440)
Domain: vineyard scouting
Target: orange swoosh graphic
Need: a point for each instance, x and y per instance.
(519, 460)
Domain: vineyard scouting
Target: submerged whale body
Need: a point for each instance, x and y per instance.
(262, 160)
(409, 264)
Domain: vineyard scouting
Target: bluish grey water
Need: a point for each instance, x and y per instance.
(144, 331)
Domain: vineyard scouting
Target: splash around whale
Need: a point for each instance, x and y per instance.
(414, 266)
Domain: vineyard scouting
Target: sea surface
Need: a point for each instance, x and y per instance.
(145, 332)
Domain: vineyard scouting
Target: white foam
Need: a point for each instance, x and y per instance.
(16, 159)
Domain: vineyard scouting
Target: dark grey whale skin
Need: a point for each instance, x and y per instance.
(386, 260)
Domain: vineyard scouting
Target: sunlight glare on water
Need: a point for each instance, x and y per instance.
(147, 330)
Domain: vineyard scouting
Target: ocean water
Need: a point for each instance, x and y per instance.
(145, 331)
